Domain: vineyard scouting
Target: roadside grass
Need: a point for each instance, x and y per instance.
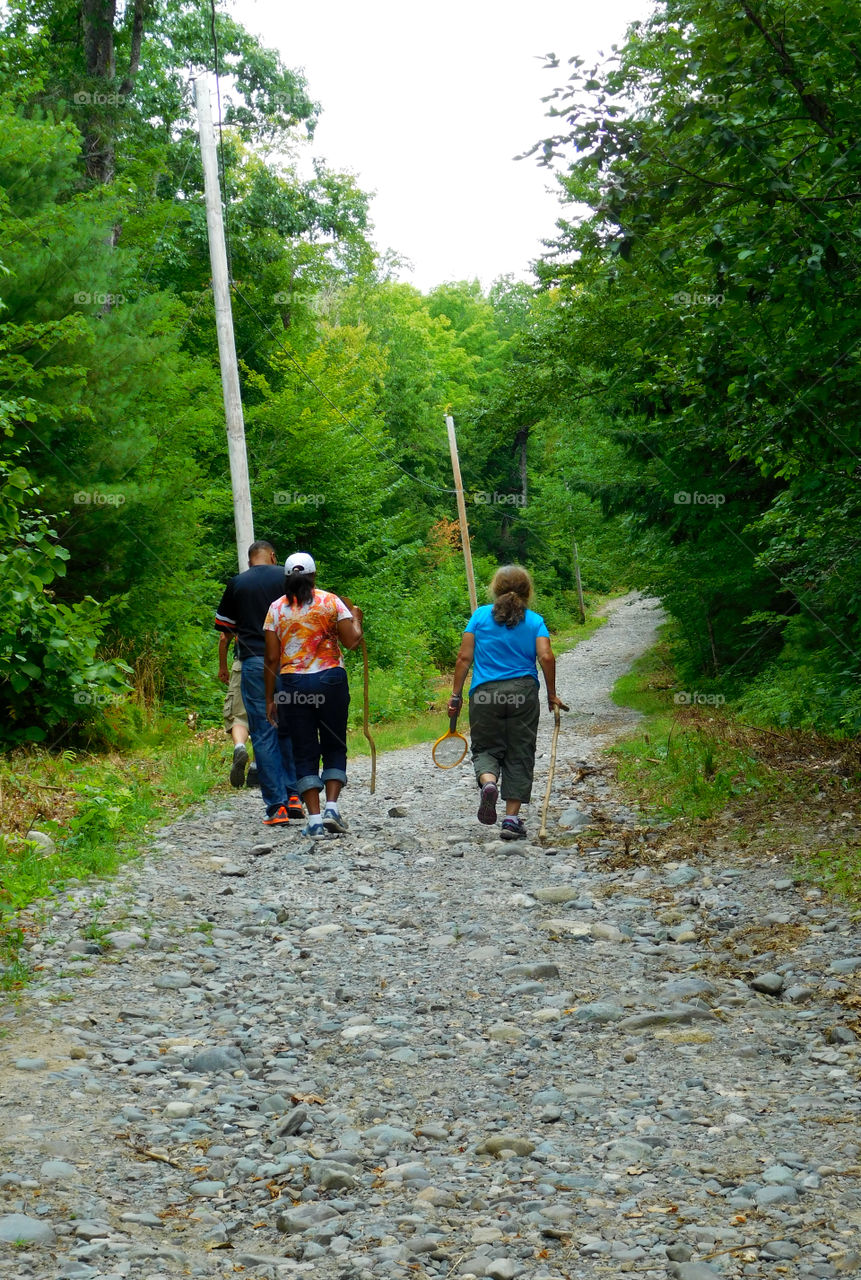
(94, 808)
(781, 794)
(97, 808)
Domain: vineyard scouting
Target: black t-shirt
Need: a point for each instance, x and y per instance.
(245, 604)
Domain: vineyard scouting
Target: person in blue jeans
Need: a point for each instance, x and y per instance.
(241, 613)
(307, 693)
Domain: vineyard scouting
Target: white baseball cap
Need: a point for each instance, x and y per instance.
(300, 562)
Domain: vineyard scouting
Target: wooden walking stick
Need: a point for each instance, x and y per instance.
(542, 834)
(365, 728)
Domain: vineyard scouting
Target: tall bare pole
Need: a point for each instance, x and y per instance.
(461, 511)
(580, 601)
(242, 517)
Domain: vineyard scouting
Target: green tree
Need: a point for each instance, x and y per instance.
(715, 286)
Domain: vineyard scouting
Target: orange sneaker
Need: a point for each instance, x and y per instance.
(276, 819)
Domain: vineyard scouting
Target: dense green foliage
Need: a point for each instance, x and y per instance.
(679, 393)
(714, 290)
(117, 514)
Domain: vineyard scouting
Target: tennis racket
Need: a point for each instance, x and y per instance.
(450, 749)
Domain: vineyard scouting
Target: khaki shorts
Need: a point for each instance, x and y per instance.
(234, 708)
(503, 728)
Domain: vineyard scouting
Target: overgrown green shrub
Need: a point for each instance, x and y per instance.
(51, 678)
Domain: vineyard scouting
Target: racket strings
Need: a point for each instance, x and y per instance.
(449, 751)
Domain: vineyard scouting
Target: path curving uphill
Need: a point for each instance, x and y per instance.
(417, 1051)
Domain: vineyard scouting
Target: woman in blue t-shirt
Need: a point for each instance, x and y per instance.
(502, 643)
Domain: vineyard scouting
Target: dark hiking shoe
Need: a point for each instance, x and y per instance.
(252, 778)
(487, 807)
(237, 768)
(512, 829)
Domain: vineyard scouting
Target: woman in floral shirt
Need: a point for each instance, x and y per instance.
(304, 632)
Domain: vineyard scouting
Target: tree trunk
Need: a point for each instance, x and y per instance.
(97, 20)
(97, 17)
(715, 667)
(143, 8)
(521, 440)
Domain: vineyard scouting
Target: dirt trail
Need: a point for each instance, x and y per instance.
(418, 1051)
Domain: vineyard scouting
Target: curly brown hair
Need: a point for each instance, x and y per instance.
(511, 589)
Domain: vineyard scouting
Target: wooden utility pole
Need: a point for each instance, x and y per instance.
(242, 518)
(461, 511)
(579, 586)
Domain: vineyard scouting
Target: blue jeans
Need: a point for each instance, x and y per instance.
(312, 713)
(272, 755)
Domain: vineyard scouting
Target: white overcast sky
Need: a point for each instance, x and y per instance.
(428, 104)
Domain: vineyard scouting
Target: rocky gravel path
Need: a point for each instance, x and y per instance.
(418, 1051)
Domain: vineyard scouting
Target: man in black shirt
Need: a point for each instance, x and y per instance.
(241, 614)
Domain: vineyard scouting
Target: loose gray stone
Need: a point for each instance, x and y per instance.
(679, 1013)
(304, 1217)
(535, 971)
(292, 1122)
(599, 1011)
(499, 1142)
(125, 940)
(175, 981)
(15, 1227)
(555, 893)
(772, 1195)
(501, 1269)
(770, 984)
(42, 841)
(574, 819)
(57, 1171)
(223, 1058)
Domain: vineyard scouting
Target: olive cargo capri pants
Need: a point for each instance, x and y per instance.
(503, 727)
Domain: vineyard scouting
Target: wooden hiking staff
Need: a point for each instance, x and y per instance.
(542, 834)
(365, 728)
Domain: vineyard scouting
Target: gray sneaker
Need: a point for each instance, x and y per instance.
(315, 830)
(237, 769)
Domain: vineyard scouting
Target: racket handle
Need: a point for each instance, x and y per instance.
(452, 724)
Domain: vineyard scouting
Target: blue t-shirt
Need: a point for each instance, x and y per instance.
(504, 653)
